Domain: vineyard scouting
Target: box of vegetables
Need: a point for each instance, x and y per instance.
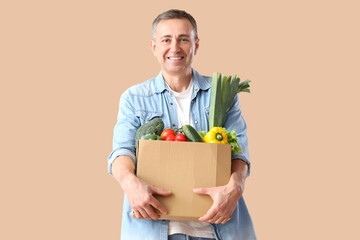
(183, 159)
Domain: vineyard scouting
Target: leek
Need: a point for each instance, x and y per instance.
(223, 93)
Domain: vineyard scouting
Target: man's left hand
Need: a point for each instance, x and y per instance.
(225, 197)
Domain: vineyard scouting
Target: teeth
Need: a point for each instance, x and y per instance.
(175, 58)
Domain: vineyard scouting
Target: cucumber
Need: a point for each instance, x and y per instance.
(155, 126)
(191, 134)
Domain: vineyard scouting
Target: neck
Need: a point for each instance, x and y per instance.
(178, 82)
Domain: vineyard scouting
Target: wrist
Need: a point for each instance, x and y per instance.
(238, 176)
(126, 180)
(237, 183)
(123, 171)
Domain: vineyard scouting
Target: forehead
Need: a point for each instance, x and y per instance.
(174, 27)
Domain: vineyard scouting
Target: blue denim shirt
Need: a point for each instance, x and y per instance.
(145, 101)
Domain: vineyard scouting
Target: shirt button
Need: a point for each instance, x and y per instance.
(171, 103)
(147, 117)
(173, 125)
(196, 122)
(192, 101)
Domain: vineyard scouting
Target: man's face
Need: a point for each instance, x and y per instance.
(175, 45)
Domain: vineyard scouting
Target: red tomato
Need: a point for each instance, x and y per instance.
(180, 137)
(167, 132)
(170, 138)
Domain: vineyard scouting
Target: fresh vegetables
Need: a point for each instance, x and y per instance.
(233, 141)
(223, 92)
(202, 134)
(224, 89)
(155, 126)
(151, 136)
(167, 132)
(191, 134)
(180, 137)
(170, 138)
(231, 138)
(216, 135)
(170, 135)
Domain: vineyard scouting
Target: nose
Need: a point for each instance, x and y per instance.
(175, 46)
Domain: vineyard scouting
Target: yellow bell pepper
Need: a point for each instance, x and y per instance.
(216, 135)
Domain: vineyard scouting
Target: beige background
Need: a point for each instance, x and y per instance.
(64, 65)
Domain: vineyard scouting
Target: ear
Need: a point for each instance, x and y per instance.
(196, 46)
(153, 47)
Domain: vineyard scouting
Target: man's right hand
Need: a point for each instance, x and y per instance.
(139, 193)
(141, 197)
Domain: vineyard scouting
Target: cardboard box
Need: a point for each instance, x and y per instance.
(180, 167)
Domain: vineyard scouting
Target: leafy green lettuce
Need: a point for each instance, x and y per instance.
(232, 140)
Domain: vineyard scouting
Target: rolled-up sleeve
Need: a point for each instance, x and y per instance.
(235, 121)
(124, 131)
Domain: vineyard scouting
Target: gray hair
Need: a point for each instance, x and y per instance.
(174, 14)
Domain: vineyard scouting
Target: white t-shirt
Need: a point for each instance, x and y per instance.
(191, 228)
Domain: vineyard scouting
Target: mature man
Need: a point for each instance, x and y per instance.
(179, 95)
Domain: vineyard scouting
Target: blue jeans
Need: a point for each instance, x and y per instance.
(186, 237)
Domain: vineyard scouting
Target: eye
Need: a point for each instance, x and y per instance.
(166, 40)
(184, 40)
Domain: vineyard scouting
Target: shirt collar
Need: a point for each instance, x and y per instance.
(200, 82)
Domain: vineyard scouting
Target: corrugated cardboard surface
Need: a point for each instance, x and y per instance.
(180, 167)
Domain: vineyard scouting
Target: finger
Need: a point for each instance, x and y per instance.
(151, 213)
(203, 191)
(225, 220)
(219, 218)
(157, 205)
(137, 214)
(210, 214)
(216, 219)
(160, 191)
(144, 214)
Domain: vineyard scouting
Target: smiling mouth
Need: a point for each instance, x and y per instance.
(175, 58)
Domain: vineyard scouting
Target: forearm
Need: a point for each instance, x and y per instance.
(239, 170)
(123, 170)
